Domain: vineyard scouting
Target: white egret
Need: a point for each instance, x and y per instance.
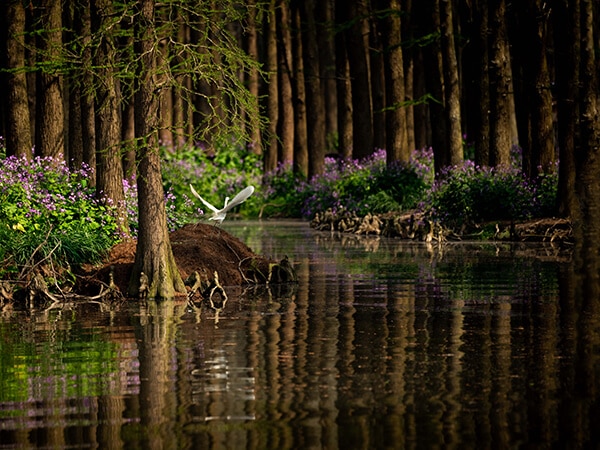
(219, 214)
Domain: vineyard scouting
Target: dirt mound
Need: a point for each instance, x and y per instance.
(198, 248)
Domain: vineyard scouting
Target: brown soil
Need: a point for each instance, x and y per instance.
(196, 247)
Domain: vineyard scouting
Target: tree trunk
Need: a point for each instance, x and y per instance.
(408, 58)
(395, 115)
(344, 91)
(378, 82)
(109, 178)
(301, 134)
(18, 133)
(50, 134)
(253, 84)
(315, 105)
(451, 86)
(500, 86)
(429, 20)
(362, 112)
(271, 140)
(154, 255)
(286, 112)
(83, 26)
(482, 89)
(324, 14)
(587, 222)
(566, 23)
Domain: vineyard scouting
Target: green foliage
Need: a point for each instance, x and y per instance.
(216, 174)
(48, 212)
(473, 194)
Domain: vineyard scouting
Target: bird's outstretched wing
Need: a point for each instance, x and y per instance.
(241, 197)
(208, 205)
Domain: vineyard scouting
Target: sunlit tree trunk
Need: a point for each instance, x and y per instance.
(271, 140)
(362, 112)
(154, 255)
(451, 85)
(253, 79)
(500, 86)
(18, 136)
(324, 14)
(286, 110)
(315, 105)
(395, 115)
(50, 133)
(408, 58)
(481, 111)
(109, 178)
(566, 23)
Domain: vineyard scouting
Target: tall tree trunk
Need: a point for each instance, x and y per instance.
(253, 84)
(271, 140)
(344, 90)
(18, 136)
(83, 26)
(500, 86)
(299, 92)
(587, 221)
(378, 82)
(324, 15)
(429, 20)
(315, 105)
(395, 115)
(482, 87)
(154, 255)
(362, 111)
(567, 24)
(109, 178)
(50, 134)
(408, 58)
(451, 85)
(286, 111)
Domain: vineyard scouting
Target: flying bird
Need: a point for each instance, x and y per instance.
(219, 214)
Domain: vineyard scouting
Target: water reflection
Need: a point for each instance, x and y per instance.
(382, 344)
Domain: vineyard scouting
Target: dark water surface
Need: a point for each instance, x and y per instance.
(382, 344)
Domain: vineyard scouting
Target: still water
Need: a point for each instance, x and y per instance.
(382, 344)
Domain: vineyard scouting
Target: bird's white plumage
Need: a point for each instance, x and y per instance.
(219, 214)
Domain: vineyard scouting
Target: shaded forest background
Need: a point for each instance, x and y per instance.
(298, 80)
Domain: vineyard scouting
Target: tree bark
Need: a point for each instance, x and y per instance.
(253, 80)
(286, 111)
(271, 140)
(566, 24)
(315, 106)
(500, 86)
(154, 255)
(587, 221)
(451, 85)
(378, 82)
(299, 92)
(362, 112)
(18, 135)
(395, 115)
(344, 90)
(50, 133)
(109, 178)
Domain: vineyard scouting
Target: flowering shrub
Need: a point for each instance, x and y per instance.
(469, 193)
(47, 209)
(369, 185)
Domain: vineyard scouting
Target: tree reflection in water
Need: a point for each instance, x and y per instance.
(382, 344)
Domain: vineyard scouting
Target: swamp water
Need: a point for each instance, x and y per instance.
(382, 344)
